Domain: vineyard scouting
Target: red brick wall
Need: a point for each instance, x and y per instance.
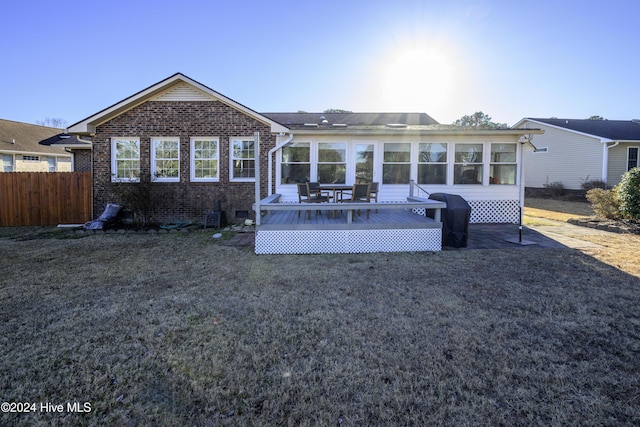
(184, 200)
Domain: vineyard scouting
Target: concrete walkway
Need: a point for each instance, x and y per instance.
(558, 235)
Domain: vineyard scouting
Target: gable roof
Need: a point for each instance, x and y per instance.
(17, 137)
(177, 83)
(615, 130)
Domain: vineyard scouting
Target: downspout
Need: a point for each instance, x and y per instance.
(270, 162)
(605, 159)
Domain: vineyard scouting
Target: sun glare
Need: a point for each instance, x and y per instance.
(417, 77)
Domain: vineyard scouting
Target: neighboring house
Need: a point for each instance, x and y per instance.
(574, 151)
(197, 147)
(79, 149)
(20, 150)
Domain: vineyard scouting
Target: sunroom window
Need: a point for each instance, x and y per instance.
(503, 164)
(243, 163)
(204, 159)
(332, 162)
(165, 159)
(296, 163)
(432, 163)
(364, 163)
(125, 159)
(396, 163)
(467, 167)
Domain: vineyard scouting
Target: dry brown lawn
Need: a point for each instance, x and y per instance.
(178, 330)
(618, 250)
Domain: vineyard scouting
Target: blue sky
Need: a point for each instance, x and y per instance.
(568, 59)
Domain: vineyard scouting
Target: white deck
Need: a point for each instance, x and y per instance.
(395, 227)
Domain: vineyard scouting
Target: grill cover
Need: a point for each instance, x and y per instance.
(455, 219)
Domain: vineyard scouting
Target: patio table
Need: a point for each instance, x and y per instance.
(336, 188)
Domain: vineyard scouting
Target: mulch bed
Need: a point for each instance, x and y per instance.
(616, 226)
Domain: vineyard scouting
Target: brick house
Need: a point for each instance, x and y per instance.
(194, 144)
(192, 147)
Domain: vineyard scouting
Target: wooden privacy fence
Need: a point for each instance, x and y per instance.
(44, 198)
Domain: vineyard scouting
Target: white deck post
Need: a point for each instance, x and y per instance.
(256, 153)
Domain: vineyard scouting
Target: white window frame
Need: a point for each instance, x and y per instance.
(8, 162)
(504, 163)
(342, 146)
(216, 140)
(444, 163)
(232, 142)
(483, 163)
(52, 162)
(114, 160)
(410, 162)
(282, 162)
(154, 144)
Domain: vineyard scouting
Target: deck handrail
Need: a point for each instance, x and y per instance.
(272, 203)
(412, 185)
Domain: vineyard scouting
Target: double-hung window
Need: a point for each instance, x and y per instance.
(396, 163)
(502, 169)
(165, 159)
(332, 162)
(125, 159)
(632, 158)
(296, 163)
(205, 159)
(432, 163)
(52, 164)
(467, 164)
(242, 159)
(7, 162)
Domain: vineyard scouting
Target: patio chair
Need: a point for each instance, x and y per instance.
(360, 193)
(373, 192)
(306, 196)
(314, 190)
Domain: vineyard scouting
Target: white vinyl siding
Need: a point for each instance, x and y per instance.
(571, 159)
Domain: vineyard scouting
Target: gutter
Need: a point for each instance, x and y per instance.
(270, 162)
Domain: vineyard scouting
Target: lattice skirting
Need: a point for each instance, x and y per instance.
(347, 241)
(494, 211)
(491, 211)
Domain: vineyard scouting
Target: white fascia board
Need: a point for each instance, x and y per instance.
(599, 138)
(88, 125)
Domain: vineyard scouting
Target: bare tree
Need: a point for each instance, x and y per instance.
(53, 122)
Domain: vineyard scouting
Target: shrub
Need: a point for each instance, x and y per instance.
(555, 189)
(594, 183)
(629, 194)
(604, 203)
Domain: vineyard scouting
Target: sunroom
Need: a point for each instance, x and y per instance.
(409, 162)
